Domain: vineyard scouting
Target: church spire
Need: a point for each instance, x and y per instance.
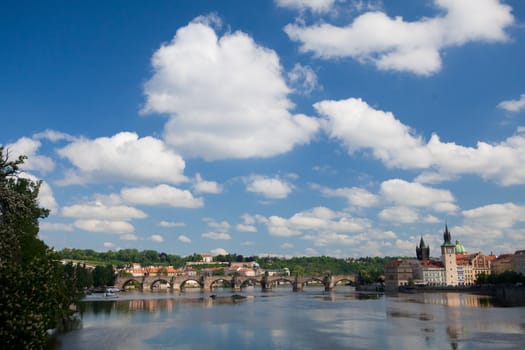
(446, 235)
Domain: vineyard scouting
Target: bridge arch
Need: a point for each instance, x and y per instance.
(246, 282)
(160, 279)
(276, 281)
(129, 281)
(183, 283)
(346, 280)
(219, 282)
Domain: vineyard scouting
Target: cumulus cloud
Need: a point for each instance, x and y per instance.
(171, 224)
(46, 198)
(248, 223)
(244, 91)
(156, 238)
(202, 186)
(109, 244)
(360, 127)
(184, 239)
(495, 226)
(161, 195)
(399, 214)
(315, 220)
(513, 105)
(129, 237)
(317, 6)
(274, 188)
(123, 157)
(217, 225)
(410, 46)
(303, 78)
(414, 194)
(355, 196)
(104, 226)
(53, 136)
(216, 235)
(98, 210)
(55, 226)
(26, 146)
(219, 251)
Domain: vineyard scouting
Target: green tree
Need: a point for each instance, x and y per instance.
(34, 295)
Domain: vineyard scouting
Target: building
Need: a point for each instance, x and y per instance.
(448, 258)
(433, 273)
(519, 261)
(398, 273)
(504, 262)
(423, 251)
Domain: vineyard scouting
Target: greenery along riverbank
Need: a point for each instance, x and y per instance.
(36, 292)
(369, 268)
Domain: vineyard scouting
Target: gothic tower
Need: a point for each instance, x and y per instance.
(448, 257)
(423, 251)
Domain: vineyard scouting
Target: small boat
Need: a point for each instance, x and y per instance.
(109, 294)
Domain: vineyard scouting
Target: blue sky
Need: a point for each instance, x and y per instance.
(290, 127)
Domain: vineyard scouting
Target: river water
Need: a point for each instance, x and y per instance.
(282, 319)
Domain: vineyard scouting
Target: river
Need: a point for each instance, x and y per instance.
(282, 319)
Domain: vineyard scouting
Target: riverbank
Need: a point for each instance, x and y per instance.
(506, 295)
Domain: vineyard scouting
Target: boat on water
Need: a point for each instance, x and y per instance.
(109, 294)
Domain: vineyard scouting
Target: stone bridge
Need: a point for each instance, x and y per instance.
(207, 283)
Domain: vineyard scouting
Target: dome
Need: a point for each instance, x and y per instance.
(460, 249)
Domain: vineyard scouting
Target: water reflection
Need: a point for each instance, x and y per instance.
(312, 319)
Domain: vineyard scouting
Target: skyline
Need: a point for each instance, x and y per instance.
(286, 127)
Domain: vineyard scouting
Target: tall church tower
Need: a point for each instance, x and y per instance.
(448, 257)
(423, 251)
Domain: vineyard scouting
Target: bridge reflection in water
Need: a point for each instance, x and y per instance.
(236, 283)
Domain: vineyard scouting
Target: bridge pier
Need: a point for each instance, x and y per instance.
(298, 284)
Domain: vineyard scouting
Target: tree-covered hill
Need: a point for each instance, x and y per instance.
(370, 268)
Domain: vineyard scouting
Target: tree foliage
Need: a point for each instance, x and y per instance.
(34, 295)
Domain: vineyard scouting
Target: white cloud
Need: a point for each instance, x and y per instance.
(184, 239)
(123, 157)
(248, 224)
(395, 44)
(129, 237)
(333, 238)
(355, 196)
(156, 238)
(46, 198)
(360, 127)
(202, 186)
(414, 194)
(29, 147)
(226, 92)
(245, 228)
(513, 105)
(55, 226)
(53, 136)
(171, 224)
(303, 78)
(315, 220)
(105, 226)
(219, 251)
(217, 225)
(109, 244)
(399, 214)
(216, 235)
(287, 246)
(101, 211)
(318, 6)
(488, 228)
(274, 188)
(161, 195)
